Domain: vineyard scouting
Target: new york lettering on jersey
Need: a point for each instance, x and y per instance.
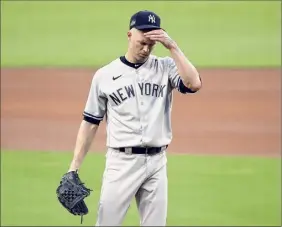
(146, 89)
(134, 81)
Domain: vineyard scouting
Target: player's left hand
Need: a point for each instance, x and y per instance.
(162, 37)
(71, 193)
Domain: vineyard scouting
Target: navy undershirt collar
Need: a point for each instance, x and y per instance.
(130, 64)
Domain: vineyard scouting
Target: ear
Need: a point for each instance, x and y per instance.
(129, 34)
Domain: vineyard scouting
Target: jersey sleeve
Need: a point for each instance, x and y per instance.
(96, 104)
(175, 79)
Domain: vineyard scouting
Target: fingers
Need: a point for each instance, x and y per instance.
(159, 36)
(154, 37)
(154, 32)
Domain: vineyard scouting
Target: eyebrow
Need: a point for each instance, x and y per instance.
(144, 41)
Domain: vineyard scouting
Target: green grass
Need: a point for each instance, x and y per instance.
(89, 33)
(203, 190)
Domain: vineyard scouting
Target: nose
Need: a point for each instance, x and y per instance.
(146, 49)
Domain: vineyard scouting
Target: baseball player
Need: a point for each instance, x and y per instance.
(134, 95)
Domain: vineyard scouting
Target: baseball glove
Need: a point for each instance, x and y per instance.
(71, 194)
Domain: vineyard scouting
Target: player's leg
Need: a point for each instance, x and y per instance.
(122, 177)
(151, 199)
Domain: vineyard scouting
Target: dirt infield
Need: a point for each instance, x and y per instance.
(236, 112)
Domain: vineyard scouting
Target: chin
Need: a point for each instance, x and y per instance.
(142, 58)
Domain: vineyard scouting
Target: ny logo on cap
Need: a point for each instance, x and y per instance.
(152, 18)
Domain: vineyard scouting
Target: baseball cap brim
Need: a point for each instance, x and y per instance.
(147, 27)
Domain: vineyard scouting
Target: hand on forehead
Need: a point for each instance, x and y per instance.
(141, 37)
(148, 40)
(153, 32)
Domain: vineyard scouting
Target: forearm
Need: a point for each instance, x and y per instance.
(186, 70)
(85, 136)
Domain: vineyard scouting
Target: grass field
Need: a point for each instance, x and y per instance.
(211, 190)
(89, 33)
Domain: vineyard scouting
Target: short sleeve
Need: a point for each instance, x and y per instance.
(175, 79)
(96, 104)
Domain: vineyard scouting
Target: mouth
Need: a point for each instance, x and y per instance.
(144, 55)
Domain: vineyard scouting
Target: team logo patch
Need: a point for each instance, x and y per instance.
(133, 22)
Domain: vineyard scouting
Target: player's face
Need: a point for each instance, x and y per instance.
(140, 46)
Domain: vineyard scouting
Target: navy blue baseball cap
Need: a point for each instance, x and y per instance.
(145, 20)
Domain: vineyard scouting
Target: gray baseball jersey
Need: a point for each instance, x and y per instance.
(136, 100)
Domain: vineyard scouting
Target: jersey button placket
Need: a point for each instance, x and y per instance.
(142, 106)
(141, 96)
(141, 112)
(142, 117)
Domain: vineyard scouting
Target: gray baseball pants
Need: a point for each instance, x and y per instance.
(133, 175)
